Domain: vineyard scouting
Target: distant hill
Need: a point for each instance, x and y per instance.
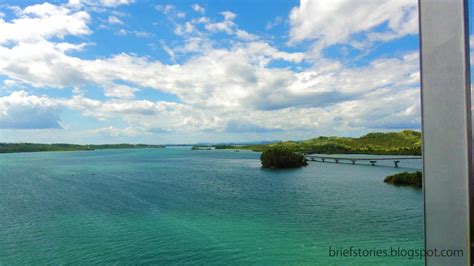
(36, 147)
(407, 142)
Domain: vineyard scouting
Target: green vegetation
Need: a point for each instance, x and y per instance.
(201, 148)
(223, 147)
(36, 147)
(405, 179)
(278, 157)
(407, 142)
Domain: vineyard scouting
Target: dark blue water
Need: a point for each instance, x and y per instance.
(177, 206)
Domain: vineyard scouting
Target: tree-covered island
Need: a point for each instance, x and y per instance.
(201, 148)
(37, 147)
(278, 157)
(405, 179)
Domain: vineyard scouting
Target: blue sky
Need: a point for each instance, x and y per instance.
(108, 71)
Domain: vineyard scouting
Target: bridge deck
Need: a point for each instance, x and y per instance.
(373, 160)
(364, 159)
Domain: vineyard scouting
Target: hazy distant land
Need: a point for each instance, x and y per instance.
(37, 147)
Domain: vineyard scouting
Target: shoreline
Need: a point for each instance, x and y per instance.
(129, 148)
(61, 147)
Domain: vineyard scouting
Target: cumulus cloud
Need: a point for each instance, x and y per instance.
(235, 89)
(42, 21)
(330, 22)
(231, 80)
(217, 78)
(22, 111)
(42, 64)
(383, 109)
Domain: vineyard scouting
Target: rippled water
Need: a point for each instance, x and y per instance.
(176, 206)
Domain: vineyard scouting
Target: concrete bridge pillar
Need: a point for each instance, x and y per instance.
(396, 163)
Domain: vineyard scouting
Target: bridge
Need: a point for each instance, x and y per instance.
(353, 160)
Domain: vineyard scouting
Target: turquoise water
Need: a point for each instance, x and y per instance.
(176, 206)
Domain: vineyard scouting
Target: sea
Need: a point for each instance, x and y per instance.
(176, 206)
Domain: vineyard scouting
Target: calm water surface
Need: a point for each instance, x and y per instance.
(176, 206)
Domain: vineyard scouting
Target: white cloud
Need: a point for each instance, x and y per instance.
(41, 64)
(230, 85)
(183, 29)
(228, 15)
(234, 78)
(168, 50)
(42, 21)
(99, 3)
(171, 12)
(227, 25)
(10, 83)
(115, 107)
(235, 89)
(147, 116)
(119, 132)
(114, 3)
(329, 22)
(139, 34)
(22, 111)
(142, 34)
(382, 109)
(114, 20)
(120, 91)
(198, 8)
(122, 32)
(192, 45)
(245, 35)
